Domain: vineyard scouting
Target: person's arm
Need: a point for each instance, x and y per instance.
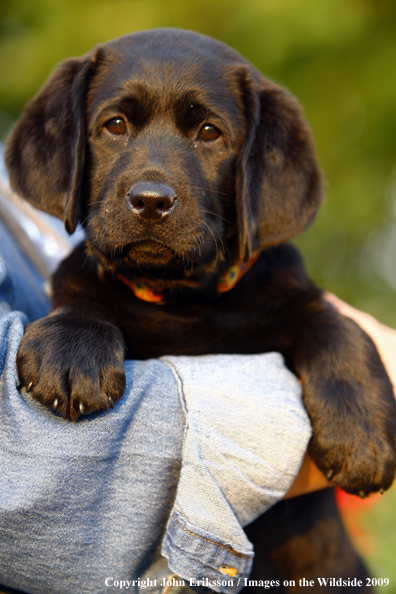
(309, 477)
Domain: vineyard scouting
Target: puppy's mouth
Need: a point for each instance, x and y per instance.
(146, 252)
(151, 253)
(154, 260)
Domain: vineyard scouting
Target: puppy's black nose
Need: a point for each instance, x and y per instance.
(152, 201)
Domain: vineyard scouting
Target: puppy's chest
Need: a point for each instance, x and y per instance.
(197, 329)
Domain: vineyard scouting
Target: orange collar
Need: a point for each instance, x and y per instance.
(142, 291)
(225, 282)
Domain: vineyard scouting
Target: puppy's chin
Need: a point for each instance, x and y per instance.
(156, 264)
(146, 254)
(151, 254)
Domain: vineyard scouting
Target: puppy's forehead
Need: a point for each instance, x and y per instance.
(168, 64)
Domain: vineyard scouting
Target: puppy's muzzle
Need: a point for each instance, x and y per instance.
(151, 201)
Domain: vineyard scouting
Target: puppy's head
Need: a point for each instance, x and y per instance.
(174, 152)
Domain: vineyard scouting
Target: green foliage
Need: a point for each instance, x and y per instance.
(337, 56)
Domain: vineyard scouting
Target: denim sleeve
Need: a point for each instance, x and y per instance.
(246, 435)
(21, 287)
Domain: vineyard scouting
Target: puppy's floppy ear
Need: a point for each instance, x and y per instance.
(278, 179)
(45, 152)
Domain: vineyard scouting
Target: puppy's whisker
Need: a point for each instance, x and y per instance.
(85, 260)
(96, 202)
(218, 237)
(214, 239)
(90, 222)
(211, 191)
(196, 241)
(85, 220)
(215, 215)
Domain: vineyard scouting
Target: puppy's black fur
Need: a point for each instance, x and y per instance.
(180, 159)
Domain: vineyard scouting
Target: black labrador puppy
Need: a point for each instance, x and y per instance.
(189, 170)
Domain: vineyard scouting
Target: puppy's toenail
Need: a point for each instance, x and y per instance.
(362, 494)
(82, 409)
(29, 387)
(55, 404)
(111, 402)
(330, 475)
(382, 491)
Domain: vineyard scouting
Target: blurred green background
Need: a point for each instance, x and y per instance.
(339, 58)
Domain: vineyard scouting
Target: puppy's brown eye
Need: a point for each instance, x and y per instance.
(116, 126)
(208, 133)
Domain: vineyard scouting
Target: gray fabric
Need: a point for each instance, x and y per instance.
(246, 435)
(84, 507)
(85, 501)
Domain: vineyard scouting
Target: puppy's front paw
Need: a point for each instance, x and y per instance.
(351, 404)
(72, 364)
(353, 415)
(356, 453)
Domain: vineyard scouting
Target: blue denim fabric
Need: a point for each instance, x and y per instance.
(86, 507)
(82, 502)
(21, 286)
(246, 435)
